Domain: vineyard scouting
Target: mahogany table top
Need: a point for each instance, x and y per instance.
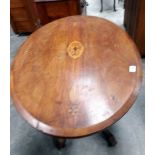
(76, 76)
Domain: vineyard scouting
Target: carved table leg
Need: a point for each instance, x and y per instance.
(114, 6)
(101, 6)
(59, 142)
(109, 137)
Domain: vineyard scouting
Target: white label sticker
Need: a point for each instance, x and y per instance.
(132, 69)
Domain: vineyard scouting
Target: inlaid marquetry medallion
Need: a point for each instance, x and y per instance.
(75, 49)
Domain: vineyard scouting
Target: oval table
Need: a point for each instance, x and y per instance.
(76, 76)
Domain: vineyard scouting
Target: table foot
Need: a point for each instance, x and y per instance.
(109, 137)
(59, 142)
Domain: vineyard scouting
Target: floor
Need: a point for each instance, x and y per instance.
(117, 17)
(129, 131)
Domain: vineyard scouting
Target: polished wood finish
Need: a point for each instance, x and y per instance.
(134, 21)
(71, 97)
(29, 15)
(52, 10)
(23, 16)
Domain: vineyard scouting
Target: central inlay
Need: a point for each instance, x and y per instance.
(75, 49)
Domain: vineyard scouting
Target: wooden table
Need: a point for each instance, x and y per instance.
(76, 76)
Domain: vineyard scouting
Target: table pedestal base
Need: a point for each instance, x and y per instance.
(59, 142)
(107, 135)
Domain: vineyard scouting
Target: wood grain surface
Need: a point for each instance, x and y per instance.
(76, 76)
